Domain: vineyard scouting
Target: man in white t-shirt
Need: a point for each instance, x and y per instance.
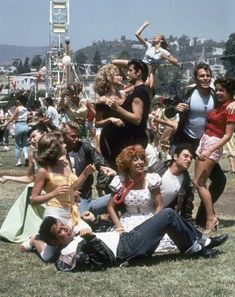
(176, 187)
(52, 113)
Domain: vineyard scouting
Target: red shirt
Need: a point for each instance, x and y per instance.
(218, 119)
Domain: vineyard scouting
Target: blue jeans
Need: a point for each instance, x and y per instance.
(96, 206)
(144, 239)
(21, 136)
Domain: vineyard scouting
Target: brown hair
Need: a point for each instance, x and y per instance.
(201, 65)
(125, 158)
(65, 127)
(49, 149)
(227, 83)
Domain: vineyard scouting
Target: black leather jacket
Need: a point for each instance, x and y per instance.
(84, 155)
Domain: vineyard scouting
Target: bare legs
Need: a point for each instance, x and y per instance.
(202, 172)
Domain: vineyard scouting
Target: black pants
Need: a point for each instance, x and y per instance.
(217, 177)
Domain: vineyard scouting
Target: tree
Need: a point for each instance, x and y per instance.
(36, 62)
(80, 59)
(96, 61)
(125, 54)
(229, 56)
(26, 66)
(19, 66)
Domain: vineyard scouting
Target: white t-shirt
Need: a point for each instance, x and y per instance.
(170, 186)
(53, 115)
(199, 107)
(22, 114)
(111, 239)
(153, 56)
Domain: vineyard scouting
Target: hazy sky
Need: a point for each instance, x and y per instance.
(26, 22)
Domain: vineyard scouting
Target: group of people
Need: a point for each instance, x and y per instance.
(142, 201)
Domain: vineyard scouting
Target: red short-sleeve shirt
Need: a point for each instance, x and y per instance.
(218, 119)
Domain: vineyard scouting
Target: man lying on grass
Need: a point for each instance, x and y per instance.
(88, 250)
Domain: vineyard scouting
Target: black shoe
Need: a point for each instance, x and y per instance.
(205, 253)
(208, 253)
(218, 240)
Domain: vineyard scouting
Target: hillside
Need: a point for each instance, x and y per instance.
(184, 48)
(8, 53)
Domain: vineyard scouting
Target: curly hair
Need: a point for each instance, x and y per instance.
(104, 78)
(227, 83)
(125, 158)
(49, 149)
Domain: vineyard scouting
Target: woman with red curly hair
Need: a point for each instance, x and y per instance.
(137, 191)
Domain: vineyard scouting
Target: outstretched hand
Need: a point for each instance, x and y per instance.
(146, 23)
(89, 169)
(3, 179)
(108, 171)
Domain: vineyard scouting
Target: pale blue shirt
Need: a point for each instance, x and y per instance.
(199, 107)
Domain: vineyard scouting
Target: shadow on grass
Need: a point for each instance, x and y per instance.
(226, 223)
(156, 259)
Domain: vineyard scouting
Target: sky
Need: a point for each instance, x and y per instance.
(26, 22)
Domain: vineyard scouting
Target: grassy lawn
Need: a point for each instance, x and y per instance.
(165, 275)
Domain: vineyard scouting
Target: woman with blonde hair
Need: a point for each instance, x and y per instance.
(107, 84)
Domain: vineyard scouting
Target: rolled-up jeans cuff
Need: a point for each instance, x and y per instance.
(196, 247)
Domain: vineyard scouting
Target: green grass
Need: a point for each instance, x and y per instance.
(164, 275)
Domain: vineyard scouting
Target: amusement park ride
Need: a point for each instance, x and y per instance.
(58, 61)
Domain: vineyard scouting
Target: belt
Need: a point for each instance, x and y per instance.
(20, 121)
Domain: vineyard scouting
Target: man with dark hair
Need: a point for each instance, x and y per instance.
(176, 187)
(135, 109)
(89, 250)
(193, 108)
(52, 117)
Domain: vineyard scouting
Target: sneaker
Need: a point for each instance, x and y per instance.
(6, 148)
(18, 163)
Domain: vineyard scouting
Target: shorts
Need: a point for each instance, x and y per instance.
(205, 143)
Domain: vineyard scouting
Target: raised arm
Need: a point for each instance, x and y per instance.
(139, 32)
(171, 59)
(83, 176)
